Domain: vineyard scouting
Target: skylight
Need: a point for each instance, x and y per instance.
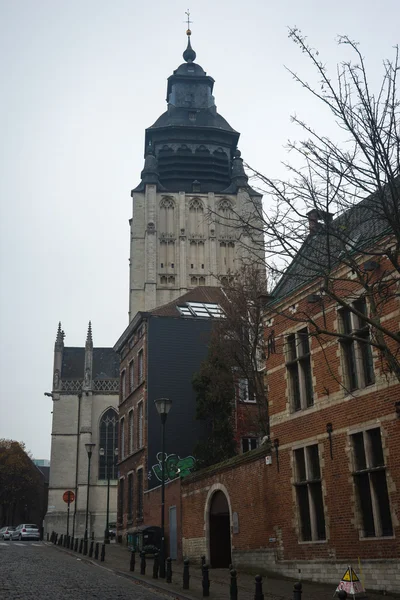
(201, 309)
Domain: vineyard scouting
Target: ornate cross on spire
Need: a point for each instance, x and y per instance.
(187, 13)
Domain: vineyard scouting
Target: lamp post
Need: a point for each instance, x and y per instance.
(163, 406)
(107, 529)
(89, 449)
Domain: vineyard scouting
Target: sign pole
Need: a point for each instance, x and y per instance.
(69, 497)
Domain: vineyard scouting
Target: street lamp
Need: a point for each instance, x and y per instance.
(103, 453)
(89, 449)
(163, 406)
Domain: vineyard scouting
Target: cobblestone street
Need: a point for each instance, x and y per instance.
(32, 570)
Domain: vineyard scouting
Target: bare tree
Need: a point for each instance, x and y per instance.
(333, 225)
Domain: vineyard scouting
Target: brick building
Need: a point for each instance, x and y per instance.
(325, 491)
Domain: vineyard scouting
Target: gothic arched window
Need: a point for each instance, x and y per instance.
(196, 217)
(108, 440)
(167, 207)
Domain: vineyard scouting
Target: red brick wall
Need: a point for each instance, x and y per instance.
(152, 510)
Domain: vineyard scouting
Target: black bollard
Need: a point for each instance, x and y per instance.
(61, 541)
(103, 552)
(76, 545)
(233, 588)
(297, 591)
(259, 593)
(66, 541)
(85, 546)
(156, 566)
(132, 561)
(55, 539)
(169, 570)
(142, 563)
(186, 575)
(206, 582)
(80, 546)
(342, 595)
(47, 536)
(203, 562)
(96, 551)
(71, 544)
(91, 549)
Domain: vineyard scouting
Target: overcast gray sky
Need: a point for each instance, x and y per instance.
(79, 82)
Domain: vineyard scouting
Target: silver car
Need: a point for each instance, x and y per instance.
(5, 533)
(26, 532)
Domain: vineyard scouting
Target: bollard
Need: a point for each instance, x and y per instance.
(55, 539)
(91, 549)
(233, 588)
(96, 551)
(297, 591)
(342, 595)
(66, 541)
(259, 593)
(169, 570)
(71, 545)
(132, 561)
(61, 540)
(80, 546)
(156, 566)
(206, 582)
(103, 552)
(142, 563)
(186, 575)
(47, 536)
(76, 545)
(203, 562)
(85, 546)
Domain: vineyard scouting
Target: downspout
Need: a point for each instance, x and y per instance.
(77, 461)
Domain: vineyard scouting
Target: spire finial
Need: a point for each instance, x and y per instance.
(60, 334)
(189, 55)
(89, 340)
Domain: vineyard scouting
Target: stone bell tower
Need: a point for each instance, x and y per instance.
(185, 211)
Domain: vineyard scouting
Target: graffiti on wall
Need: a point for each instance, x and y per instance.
(175, 466)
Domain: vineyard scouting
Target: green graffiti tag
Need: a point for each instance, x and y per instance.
(174, 466)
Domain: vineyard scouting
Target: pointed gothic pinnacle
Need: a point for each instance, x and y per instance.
(60, 334)
(89, 340)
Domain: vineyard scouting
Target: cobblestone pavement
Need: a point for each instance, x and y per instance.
(35, 571)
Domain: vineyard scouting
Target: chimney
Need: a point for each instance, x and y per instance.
(316, 218)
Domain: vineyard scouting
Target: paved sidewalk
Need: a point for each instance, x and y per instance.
(117, 559)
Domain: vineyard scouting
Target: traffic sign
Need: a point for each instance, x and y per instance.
(68, 496)
(351, 584)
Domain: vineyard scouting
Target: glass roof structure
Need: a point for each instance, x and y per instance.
(201, 309)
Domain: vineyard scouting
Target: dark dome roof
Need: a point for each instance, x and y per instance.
(191, 69)
(181, 117)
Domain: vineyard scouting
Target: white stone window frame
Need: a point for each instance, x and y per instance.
(244, 392)
(307, 482)
(361, 382)
(123, 385)
(131, 431)
(140, 423)
(298, 361)
(131, 371)
(249, 438)
(122, 436)
(140, 365)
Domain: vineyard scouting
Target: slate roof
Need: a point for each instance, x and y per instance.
(206, 294)
(105, 363)
(356, 229)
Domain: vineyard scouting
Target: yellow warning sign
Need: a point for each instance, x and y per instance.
(350, 576)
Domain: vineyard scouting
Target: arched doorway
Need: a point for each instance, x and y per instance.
(220, 532)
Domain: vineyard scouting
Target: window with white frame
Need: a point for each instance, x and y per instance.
(298, 364)
(123, 384)
(139, 486)
(249, 443)
(140, 367)
(308, 484)
(121, 500)
(130, 497)
(355, 347)
(369, 474)
(130, 432)
(246, 393)
(140, 425)
(122, 434)
(131, 375)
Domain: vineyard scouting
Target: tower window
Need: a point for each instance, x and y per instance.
(172, 265)
(162, 265)
(191, 266)
(202, 266)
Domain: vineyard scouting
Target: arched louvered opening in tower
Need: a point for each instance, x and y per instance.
(179, 168)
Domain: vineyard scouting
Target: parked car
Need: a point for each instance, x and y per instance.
(5, 532)
(26, 532)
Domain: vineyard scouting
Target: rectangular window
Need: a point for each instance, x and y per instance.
(140, 369)
(249, 444)
(130, 496)
(123, 384)
(140, 425)
(122, 443)
(131, 376)
(140, 495)
(121, 500)
(356, 353)
(298, 364)
(370, 482)
(246, 394)
(130, 426)
(309, 494)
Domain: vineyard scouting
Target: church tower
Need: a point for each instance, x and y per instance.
(193, 187)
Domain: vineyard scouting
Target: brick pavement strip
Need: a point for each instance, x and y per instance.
(118, 560)
(42, 572)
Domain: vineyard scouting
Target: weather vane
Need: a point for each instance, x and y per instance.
(187, 13)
